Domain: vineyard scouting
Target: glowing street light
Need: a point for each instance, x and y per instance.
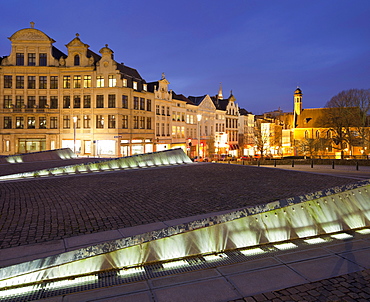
(199, 118)
(74, 133)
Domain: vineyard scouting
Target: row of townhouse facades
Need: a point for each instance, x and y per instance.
(99, 107)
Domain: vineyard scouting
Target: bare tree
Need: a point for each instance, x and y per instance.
(347, 118)
(261, 137)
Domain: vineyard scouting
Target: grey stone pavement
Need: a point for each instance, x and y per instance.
(65, 212)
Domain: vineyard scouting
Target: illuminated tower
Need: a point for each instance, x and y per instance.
(297, 104)
(219, 95)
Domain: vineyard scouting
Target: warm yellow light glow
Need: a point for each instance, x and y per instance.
(363, 231)
(252, 252)
(73, 282)
(285, 246)
(314, 241)
(19, 291)
(215, 257)
(131, 271)
(173, 264)
(341, 236)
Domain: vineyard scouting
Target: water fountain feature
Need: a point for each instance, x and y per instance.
(324, 212)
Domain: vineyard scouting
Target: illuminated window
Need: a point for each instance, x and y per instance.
(66, 101)
(145, 87)
(66, 122)
(124, 101)
(8, 81)
(66, 82)
(53, 102)
(31, 59)
(87, 81)
(124, 82)
(100, 81)
(87, 121)
(42, 122)
(76, 101)
(31, 122)
(7, 101)
(19, 102)
(7, 122)
(77, 81)
(19, 122)
(42, 101)
(112, 81)
(111, 121)
(111, 101)
(99, 121)
(43, 82)
(31, 101)
(43, 59)
(148, 105)
(136, 102)
(142, 122)
(19, 59)
(134, 85)
(157, 129)
(100, 101)
(136, 122)
(125, 121)
(53, 122)
(77, 60)
(142, 104)
(53, 82)
(19, 84)
(31, 83)
(87, 101)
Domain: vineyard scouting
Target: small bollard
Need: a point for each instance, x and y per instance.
(243, 163)
(229, 162)
(357, 165)
(332, 165)
(292, 163)
(258, 163)
(311, 163)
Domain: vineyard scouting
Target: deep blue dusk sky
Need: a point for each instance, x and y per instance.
(261, 50)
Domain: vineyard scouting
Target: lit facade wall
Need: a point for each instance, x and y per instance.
(81, 100)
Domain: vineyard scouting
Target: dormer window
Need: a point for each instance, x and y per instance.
(77, 60)
(145, 87)
(124, 82)
(134, 85)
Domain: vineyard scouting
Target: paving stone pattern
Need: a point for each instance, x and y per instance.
(352, 287)
(45, 209)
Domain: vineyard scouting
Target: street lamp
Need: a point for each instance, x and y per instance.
(199, 118)
(74, 133)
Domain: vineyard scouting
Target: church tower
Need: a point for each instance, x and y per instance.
(297, 105)
(219, 95)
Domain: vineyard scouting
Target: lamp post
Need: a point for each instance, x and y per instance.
(74, 133)
(199, 118)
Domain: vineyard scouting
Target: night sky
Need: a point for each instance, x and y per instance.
(261, 50)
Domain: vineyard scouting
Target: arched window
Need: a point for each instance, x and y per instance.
(306, 134)
(317, 134)
(328, 134)
(77, 60)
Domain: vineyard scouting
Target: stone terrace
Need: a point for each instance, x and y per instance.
(41, 210)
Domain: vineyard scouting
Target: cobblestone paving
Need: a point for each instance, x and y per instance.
(39, 210)
(352, 287)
